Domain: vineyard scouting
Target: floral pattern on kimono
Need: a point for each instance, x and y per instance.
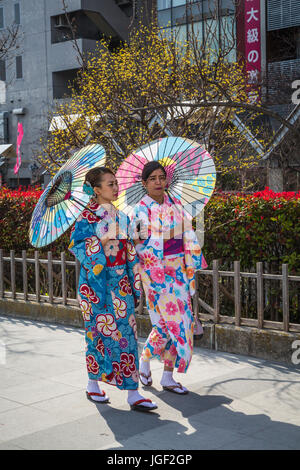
(151, 252)
(168, 281)
(108, 283)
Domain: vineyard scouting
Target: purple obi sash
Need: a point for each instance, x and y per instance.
(173, 246)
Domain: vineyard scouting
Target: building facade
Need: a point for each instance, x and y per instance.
(214, 18)
(44, 65)
(267, 38)
(265, 32)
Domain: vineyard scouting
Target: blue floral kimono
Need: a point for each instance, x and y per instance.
(108, 284)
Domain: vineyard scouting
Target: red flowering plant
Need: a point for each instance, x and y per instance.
(264, 226)
(16, 208)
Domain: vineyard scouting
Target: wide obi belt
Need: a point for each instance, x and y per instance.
(173, 246)
(115, 253)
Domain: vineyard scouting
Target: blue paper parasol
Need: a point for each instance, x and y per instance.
(64, 199)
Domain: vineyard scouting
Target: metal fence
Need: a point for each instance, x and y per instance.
(16, 282)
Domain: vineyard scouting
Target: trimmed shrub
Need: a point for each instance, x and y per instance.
(263, 226)
(16, 208)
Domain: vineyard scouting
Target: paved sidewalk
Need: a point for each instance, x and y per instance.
(235, 402)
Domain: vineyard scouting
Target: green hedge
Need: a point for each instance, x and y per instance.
(260, 227)
(250, 228)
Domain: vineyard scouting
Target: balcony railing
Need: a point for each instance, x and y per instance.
(285, 68)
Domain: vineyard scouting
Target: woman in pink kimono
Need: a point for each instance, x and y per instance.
(169, 255)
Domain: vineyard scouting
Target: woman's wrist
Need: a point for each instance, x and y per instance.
(104, 239)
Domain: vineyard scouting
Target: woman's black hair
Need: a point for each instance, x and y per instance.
(94, 176)
(150, 167)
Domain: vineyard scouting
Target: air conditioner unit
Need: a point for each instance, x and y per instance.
(61, 22)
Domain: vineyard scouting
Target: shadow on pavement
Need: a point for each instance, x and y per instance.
(221, 428)
(126, 424)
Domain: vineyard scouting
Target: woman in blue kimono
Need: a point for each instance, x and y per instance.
(108, 292)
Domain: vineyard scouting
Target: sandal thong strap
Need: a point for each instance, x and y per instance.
(94, 394)
(172, 388)
(178, 385)
(142, 401)
(146, 380)
(144, 375)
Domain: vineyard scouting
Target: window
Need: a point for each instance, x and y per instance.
(163, 4)
(164, 17)
(228, 35)
(180, 33)
(177, 3)
(2, 70)
(1, 18)
(179, 15)
(211, 33)
(16, 182)
(282, 14)
(19, 68)
(282, 44)
(197, 29)
(17, 13)
(64, 82)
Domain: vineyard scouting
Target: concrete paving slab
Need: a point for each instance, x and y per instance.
(35, 391)
(9, 377)
(24, 420)
(43, 365)
(9, 446)
(278, 404)
(180, 435)
(251, 443)
(282, 435)
(235, 402)
(6, 405)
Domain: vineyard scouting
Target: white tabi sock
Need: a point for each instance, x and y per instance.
(167, 380)
(134, 396)
(93, 387)
(145, 367)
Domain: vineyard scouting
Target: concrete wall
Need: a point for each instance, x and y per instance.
(266, 344)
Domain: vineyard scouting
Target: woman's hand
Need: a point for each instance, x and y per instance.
(140, 234)
(144, 230)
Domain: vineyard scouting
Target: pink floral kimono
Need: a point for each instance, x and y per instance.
(167, 270)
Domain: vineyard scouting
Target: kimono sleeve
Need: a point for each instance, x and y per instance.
(141, 217)
(192, 247)
(87, 248)
(132, 263)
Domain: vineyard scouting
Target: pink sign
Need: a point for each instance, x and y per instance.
(19, 140)
(253, 47)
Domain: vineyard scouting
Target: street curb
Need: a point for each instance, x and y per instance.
(266, 344)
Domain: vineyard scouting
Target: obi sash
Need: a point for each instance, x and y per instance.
(173, 246)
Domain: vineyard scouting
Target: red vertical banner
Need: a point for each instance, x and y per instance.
(252, 22)
(19, 140)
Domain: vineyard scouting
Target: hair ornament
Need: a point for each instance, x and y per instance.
(87, 189)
